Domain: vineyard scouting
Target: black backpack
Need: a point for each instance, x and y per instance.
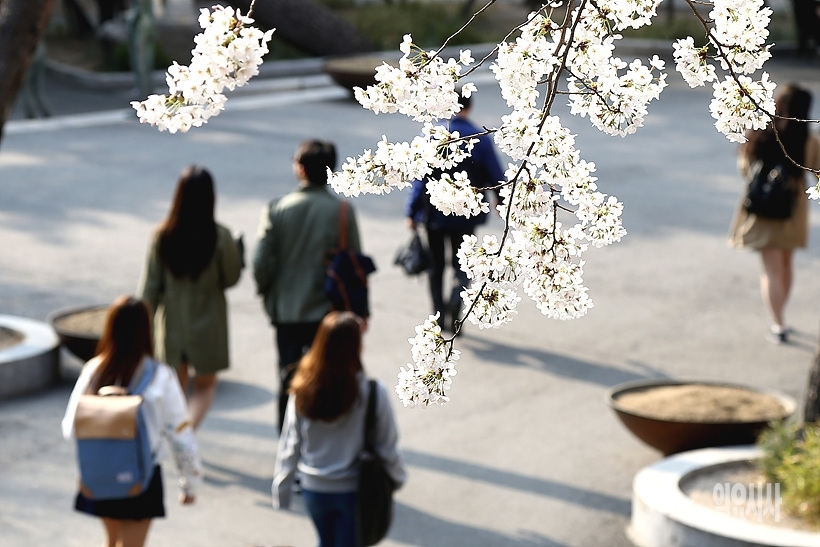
(770, 194)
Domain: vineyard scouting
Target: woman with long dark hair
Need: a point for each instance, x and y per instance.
(191, 262)
(785, 141)
(124, 354)
(323, 433)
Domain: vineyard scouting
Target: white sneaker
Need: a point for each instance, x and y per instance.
(778, 335)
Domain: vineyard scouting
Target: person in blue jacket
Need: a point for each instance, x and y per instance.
(484, 171)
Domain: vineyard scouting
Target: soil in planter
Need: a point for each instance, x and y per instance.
(702, 403)
(88, 323)
(9, 338)
(752, 502)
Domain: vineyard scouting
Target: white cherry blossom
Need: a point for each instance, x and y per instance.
(692, 62)
(426, 381)
(553, 206)
(228, 53)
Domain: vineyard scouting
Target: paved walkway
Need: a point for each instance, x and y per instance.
(527, 453)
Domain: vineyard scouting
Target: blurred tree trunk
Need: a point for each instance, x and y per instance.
(811, 404)
(312, 28)
(22, 22)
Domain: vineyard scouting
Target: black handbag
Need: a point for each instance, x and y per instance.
(769, 193)
(413, 256)
(376, 487)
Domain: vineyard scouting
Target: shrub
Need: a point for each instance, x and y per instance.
(791, 457)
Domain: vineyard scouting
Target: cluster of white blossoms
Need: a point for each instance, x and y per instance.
(612, 93)
(454, 195)
(738, 38)
(426, 380)
(742, 104)
(550, 202)
(540, 253)
(421, 87)
(396, 165)
(228, 53)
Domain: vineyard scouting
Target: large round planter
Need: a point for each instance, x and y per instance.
(356, 70)
(671, 436)
(80, 342)
(31, 364)
(663, 515)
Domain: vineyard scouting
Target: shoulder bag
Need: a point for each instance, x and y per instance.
(413, 256)
(346, 278)
(376, 487)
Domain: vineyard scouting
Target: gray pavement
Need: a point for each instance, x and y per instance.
(527, 453)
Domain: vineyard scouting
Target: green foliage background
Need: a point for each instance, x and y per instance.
(431, 22)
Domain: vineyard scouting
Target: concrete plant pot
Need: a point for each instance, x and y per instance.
(671, 436)
(664, 515)
(32, 362)
(79, 336)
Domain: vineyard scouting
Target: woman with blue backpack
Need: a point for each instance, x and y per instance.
(120, 474)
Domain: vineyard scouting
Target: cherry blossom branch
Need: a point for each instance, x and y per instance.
(536, 254)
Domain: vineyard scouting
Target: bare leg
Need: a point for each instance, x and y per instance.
(133, 532)
(126, 533)
(204, 389)
(112, 532)
(775, 283)
(182, 374)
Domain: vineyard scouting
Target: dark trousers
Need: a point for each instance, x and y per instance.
(438, 240)
(807, 25)
(292, 341)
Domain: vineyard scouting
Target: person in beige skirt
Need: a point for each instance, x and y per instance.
(776, 239)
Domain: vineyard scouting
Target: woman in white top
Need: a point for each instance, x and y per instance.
(323, 432)
(125, 348)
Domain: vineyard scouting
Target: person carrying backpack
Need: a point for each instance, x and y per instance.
(124, 364)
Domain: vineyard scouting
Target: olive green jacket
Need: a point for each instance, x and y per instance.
(191, 316)
(296, 233)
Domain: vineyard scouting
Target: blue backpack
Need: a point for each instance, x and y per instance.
(113, 448)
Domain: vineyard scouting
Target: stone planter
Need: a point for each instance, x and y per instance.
(357, 70)
(671, 435)
(32, 362)
(663, 515)
(79, 328)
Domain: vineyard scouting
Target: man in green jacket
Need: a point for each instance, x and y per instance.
(296, 234)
